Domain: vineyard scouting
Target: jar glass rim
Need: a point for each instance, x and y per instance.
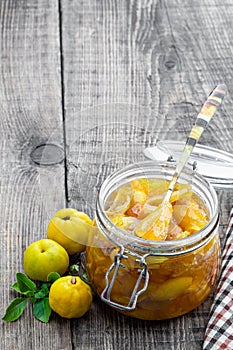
(122, 237)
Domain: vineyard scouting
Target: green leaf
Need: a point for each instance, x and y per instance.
(42, 310)
(16, 287)
(43, 292)
(15, 309)
(32, 299)
(85, 278)
(53, 276)
(74, 268)
(24, 284)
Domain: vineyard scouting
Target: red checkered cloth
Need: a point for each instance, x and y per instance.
(219, 331)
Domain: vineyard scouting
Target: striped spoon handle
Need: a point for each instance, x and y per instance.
(207, 111)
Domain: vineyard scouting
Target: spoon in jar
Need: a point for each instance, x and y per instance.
(155, 225)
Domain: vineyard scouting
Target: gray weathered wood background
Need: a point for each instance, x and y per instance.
(84, 87)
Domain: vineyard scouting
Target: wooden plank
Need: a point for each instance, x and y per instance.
(31, 189)
(158, 60)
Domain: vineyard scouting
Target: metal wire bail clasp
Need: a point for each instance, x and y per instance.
(117, 264)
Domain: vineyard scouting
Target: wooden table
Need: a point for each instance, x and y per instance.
(85, 86)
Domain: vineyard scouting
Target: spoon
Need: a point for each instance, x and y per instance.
(155, 225)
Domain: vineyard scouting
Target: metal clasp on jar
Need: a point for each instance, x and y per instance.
(117, 264)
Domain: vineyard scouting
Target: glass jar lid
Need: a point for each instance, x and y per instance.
(214, 164)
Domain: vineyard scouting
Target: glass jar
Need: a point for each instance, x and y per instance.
(147, 279)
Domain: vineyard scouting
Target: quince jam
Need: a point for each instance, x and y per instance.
(180, 280)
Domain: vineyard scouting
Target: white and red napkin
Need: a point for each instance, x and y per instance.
(219, 331)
